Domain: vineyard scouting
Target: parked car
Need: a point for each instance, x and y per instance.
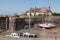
(28, 35)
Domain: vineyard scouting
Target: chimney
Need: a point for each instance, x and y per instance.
(49, 7)
(30, 10)
(35, 7)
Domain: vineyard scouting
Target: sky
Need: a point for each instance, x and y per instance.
(10, 7)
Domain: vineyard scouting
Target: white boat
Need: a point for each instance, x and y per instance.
(26, 34)
(15, 35)
(46, 25)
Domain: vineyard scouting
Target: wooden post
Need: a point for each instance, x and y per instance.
(11, 24)
(6, 23)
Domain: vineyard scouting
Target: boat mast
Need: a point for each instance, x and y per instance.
(29, 18)
(42, 18)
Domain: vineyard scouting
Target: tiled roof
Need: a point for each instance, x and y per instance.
(43, 10)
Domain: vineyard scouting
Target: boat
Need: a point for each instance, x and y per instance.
(26, 34)
(15, 35)
(47, 24)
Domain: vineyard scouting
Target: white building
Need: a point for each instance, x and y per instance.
(37, 11)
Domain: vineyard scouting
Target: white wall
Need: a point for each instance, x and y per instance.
(37, 14)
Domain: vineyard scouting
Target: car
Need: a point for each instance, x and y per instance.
(28, 35)
(13, 35)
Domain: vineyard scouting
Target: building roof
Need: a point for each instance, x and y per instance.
(40, 10)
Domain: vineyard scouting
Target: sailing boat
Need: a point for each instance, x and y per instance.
(46, 24)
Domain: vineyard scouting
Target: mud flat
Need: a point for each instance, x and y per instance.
(43, 34)
(23, 38)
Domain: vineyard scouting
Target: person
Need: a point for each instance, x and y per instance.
(27, 29)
